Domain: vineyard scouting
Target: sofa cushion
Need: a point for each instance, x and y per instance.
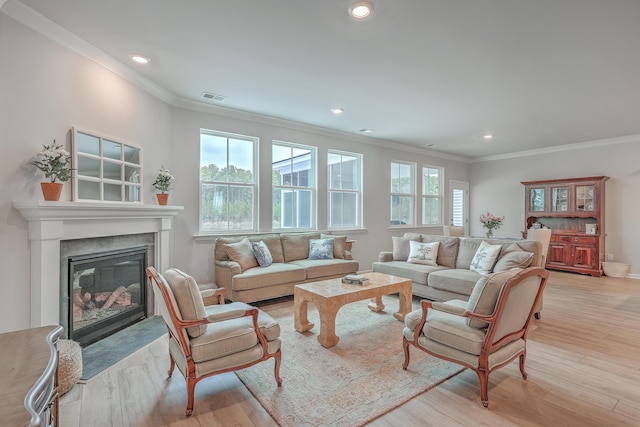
(320, 248)
(454, 280)
(401, 247)
(273, 244)
(242, 253)
(262, 253)
(485, 295)
(415, 272)
(296, 245)
(513, 257)
(466, 251)
(187, 295)
(339, 244)
(275, 274)
(485, 258)
(447, 251)
(318, 268)
(220, 252)
(423, 253)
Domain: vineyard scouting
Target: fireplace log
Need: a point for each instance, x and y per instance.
(113, 297)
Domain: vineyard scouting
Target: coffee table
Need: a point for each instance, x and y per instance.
(329, 295)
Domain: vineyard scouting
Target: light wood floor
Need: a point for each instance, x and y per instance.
(583, 364)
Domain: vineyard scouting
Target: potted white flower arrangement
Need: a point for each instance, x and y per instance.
(163, 184)
(55, 162)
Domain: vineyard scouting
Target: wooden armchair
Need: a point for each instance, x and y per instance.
(485, 333)
(206, 341)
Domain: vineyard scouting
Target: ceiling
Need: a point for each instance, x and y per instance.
(437, 74)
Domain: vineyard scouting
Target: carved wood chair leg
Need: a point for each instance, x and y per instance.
(522, 360)
(276, 369)
(172, 365)
(191, 389)
(405, 345)
(483, 376)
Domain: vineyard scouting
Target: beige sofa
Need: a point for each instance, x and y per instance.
(451, 278)
(291, 266)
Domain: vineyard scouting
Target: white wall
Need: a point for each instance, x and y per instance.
(196, 256)
(495, 186)
(45, 89)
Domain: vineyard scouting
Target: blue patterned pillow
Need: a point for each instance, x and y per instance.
(320, 248)
(261, 251)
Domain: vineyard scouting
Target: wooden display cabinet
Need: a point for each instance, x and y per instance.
(574, 210)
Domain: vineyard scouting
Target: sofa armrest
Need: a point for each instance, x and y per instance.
(347, 255)
(225, 270)
(385, 256)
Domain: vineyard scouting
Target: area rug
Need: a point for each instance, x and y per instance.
(108, 351)
(349, 384)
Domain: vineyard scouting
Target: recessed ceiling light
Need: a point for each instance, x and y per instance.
(361, 9)
(487, 136)
(139, 58)
(337, 110)
(365, 130)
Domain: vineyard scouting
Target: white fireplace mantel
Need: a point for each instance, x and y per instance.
(52, 222)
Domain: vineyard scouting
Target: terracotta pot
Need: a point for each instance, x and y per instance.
(51, 190)
(163, 198)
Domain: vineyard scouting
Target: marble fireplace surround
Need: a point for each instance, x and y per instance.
(52, 222)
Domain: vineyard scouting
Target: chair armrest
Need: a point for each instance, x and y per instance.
(385, 256)
(347, 255)
(220, 313)
(439, 306)
(451, 309)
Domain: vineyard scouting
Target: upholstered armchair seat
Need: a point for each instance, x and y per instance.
(486, 332)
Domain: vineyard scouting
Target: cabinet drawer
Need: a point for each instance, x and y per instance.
(589, 240)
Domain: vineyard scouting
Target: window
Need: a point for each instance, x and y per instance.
(457, 207)
(345, 189)
(431, 195)
(228, 187)
(294, 189)
(403, 186)
(106, 170)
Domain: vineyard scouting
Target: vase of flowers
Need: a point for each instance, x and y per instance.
(163, 184)
(491, 222)
(55, 162)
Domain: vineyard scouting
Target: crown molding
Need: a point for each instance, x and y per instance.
(232, 113)
(559, 148)
(32, 19)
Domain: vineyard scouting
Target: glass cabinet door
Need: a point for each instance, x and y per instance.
(585, 197)
(536, 199)
(559, 199)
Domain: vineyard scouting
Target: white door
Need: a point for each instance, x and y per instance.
(459, 205)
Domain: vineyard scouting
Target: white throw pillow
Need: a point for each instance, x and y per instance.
(423, 253)
(485, 258)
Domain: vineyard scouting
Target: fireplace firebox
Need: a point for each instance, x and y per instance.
(107, 292)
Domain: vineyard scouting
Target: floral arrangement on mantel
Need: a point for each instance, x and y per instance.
(163, 180)
(55, 162)
(491, 222)
(163, 184)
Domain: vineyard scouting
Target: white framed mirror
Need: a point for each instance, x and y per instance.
(106, 170)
